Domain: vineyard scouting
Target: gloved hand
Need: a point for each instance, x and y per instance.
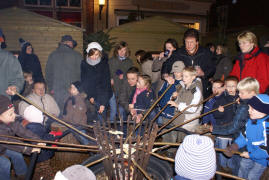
(231, 149)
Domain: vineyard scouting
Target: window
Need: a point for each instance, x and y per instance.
(75, 3)
(69, 3)
(38, 2)
(45, 2)
(31, 2)
(61, 3)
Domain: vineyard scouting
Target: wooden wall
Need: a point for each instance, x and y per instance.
(42, 32)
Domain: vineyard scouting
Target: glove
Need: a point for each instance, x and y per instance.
(231, 149)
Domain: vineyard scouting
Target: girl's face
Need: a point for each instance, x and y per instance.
(8, 116)
(245, 46)
(187, 78)
(29, 50)
(170, 47)
(122, 52)
(141, 83)
(73, 90)
(95, 56)
(219, 50)
(254, 114)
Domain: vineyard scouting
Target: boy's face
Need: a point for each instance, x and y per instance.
(187, 78)
(132, 79)
(231, 87)
(178, 75)
(8, 116)
(244, 94)
(217, 88)
(254, 114)
(73, 90)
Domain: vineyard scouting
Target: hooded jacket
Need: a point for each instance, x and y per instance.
(253, 64)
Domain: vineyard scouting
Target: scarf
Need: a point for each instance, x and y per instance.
(93, 62)
(122, 58)
(137, 92)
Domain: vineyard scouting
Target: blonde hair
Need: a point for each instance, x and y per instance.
(146, 79)
(249, 84)
(248, 36)
(190, 70)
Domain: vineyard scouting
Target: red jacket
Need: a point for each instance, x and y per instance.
(254, 64)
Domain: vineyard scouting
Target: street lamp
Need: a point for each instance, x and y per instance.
(101, 5)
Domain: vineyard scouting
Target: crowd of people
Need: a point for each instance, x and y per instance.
(100, 88)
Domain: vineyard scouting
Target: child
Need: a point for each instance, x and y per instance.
(189, 94)
(10, 126)
(75, 110)
(255, 138)
(195, 159)
(142, 97)
(217, 89)
(224, 116)
(125, 91)
(29, 83)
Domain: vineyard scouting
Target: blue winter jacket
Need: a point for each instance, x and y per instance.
(143, 101)
(208, 107)
(169, 111)
(255, 140)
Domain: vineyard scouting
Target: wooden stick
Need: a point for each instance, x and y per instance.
(147, 113)
(188, 121)
(55, 118)
(178, 144)
(47, 147)
(217, 172)
(50, 142)
(141, 169)
(97, 161)
(181, 112)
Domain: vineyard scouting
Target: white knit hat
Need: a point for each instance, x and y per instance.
(32, 114)
(93, 45)
(75, 172)
(196, 158)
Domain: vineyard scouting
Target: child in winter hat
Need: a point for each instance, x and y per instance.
(195, 159)
(75, 172)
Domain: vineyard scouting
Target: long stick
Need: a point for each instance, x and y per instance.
(217, 172)
(50, 142)
(47, 147)
(188, 121)
(181, 112)
(141, 169)
(97, 161)
(147, 113)
(55, 118)
(178, 144)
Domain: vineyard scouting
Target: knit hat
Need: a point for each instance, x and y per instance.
(1, 36)
(119, 72)
(24, 43)
(75, 172)
(33, 115)
(69, 38)
(178, 66)
(196, 158)
(5, 104)
(94, 45)
(260, 102)
(78, 85)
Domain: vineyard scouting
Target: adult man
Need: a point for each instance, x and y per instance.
(43, 100)
(194, 55)
(63, 68)
(11, 78)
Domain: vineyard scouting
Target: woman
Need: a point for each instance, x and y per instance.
(119, 65)
(251, 61)
(29, 61)
(95, 79)
(224, 64)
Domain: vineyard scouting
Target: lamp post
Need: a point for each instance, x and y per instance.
(101, 5)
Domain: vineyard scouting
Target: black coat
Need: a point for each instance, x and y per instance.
(96, 81)
(30, 62)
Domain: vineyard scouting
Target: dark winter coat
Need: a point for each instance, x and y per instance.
(30, 62)
(239, 121)
(96, 81)
(208, 107)
(143, 101)
(226, 117)
(15, 129)
(223, 67)
(125, 93)
(116, 64)
(63, 68)
(253, 64)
